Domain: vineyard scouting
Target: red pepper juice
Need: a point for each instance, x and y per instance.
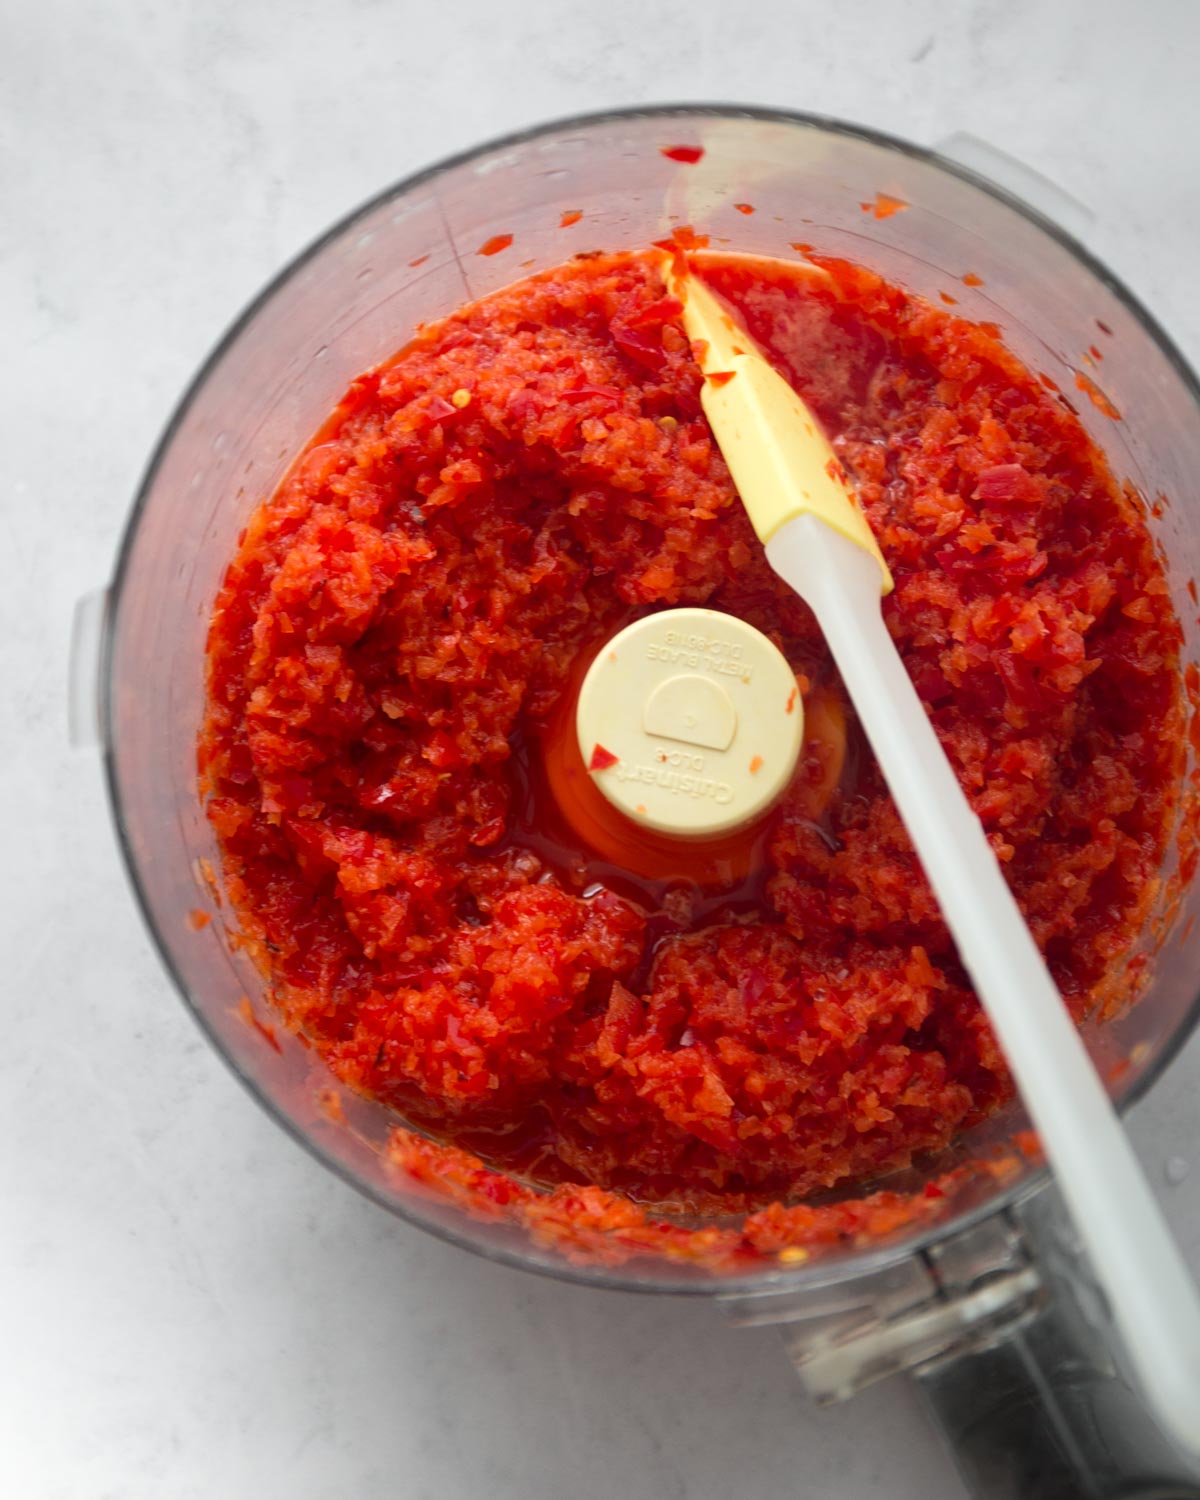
(399, 629)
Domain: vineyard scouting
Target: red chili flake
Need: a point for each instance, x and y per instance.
(835, 471)
(756, 764)
(197, 920)
(720, 377)
(744, 208)
(931, 1190)
(607, 396)
(1094, 352)
(686, 154)
(443, 751)
(699, 350)
(637, 331)
(439, 408)
(1103, 327)
(791, 703)
(1097, 397)
(420, 261)
(494, 246)
(683, 237)
(1051, 385)
(602, 759)
(1006, 484)
(991, 329)
(948, 299)
(884, 206)
(970, 279)
(246, 1013)
(570, 216)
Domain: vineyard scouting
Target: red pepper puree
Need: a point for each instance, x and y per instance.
(395, 635)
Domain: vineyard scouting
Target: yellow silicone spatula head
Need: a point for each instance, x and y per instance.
(779, 458)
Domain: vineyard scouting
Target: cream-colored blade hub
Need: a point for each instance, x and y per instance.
(779, 458)
(690, 722)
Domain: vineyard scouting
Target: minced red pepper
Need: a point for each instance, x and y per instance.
(396, 631)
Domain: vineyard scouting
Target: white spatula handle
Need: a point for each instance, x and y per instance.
(1151, 1294)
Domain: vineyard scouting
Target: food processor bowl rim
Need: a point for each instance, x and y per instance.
(820, 1271)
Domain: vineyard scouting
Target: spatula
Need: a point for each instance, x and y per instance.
(801, 504)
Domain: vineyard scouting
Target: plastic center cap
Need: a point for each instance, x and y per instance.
(690, 722)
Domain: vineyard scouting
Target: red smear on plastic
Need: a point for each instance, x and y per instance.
(197, 920)
(687, 154)
(267, 1033)
(602, 759)
(948, 299)
(744, 208)
(1103, 327)
(1094, 352)
(570, 216)
(756, 765)
(800, 245)
(719, 377)
(494, 246)
(970, 279)
(329, 1102)
(884, 206)
(1096, 396)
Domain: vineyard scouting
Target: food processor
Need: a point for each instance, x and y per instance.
(985, 1301)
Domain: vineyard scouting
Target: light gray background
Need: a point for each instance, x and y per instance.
(189, 1306)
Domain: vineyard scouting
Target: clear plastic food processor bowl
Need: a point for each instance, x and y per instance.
(355, 296)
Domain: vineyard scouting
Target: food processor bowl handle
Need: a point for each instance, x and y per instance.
(1008, 1338)
(1042, 1411)
(1032, 1418)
